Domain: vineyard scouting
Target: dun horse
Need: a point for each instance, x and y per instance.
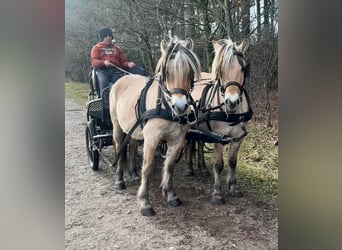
(159, 109)
(224, 107)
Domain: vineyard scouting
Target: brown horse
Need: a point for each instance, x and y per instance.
(224, 108)
(154, 111)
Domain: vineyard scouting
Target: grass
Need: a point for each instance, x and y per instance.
(257, 167)
(77, 91)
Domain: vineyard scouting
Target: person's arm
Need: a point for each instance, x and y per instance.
(96, 60)
(123, 61)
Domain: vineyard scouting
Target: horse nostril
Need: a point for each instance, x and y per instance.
(186, 106)
(232, 103)
(228, 102)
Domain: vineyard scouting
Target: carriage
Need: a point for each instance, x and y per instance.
(218, 119)
(99, 128)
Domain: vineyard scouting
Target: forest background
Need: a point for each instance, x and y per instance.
(139, 26)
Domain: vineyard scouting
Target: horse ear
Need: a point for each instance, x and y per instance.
(216, 46)
(189, 43)
(243, 46)
(163, 45)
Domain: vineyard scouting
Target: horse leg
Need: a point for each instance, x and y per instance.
(231, 180)
(173, 152)
(217, 197)
(147, 168)
(201, 162)
(133, 146)
(190, 147)
(118, 137)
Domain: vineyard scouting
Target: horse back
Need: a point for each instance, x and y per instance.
(200, 85)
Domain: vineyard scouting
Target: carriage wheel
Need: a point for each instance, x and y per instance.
(92, 152)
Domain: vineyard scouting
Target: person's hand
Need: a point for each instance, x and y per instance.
(107, 63)
(131, 64)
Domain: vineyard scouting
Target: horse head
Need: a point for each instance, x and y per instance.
(230, 68)
(177, 68)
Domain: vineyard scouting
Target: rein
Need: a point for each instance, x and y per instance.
(120, 69)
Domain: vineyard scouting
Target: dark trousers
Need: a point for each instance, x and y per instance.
(106, 79)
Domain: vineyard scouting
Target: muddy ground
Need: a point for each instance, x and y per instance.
(97, 216)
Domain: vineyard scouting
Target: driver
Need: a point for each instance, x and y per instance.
(105, 56)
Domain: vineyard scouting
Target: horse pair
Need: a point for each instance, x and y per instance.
(163, 108)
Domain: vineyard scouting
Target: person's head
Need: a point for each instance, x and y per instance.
(106, 35)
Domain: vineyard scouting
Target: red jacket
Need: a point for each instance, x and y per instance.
(101, 52)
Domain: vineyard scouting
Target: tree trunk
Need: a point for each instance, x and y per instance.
(267, 29)
(245, 18)
(258, 20)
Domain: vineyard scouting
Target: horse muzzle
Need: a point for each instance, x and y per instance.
(179, 104)
(179, 101)
(232, 102)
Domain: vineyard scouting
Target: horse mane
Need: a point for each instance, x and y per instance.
(184, 59)
(223, 57)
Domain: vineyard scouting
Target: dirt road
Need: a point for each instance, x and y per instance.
(97, 216)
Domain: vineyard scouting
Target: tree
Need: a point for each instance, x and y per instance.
(139, 26)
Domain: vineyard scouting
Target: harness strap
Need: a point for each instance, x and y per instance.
(202, 102)
(167, 107)
(232, 119)
(125, 141)
(140, 106)
(159, 101)
(212, 137)
(163, 114)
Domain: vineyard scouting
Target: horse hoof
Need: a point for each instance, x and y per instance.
(175, 203)
(236, 194)
(121, 186)
(217, 201)
(147, 211)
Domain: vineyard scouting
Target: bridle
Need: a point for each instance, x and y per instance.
(219, 88)
(171, 53)
(245, 68)
(174, 48)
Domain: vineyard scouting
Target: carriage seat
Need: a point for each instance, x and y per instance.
(93, 82)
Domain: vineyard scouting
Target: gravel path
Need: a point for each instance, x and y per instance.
(97, 216)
